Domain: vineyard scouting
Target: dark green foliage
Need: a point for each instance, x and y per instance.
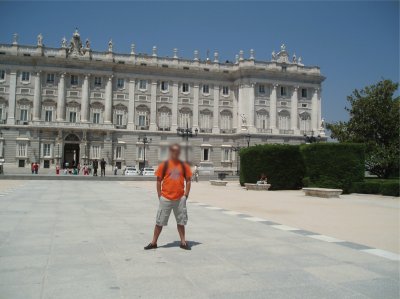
(333, 165)
(282, 164)
(377, 186)
(374, 121)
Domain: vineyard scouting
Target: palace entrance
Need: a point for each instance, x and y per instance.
(71, 150)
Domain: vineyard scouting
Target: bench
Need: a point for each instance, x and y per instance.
(257, 187)
(322, 192)
(218, 183)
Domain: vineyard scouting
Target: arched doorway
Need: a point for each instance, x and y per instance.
(71, 150)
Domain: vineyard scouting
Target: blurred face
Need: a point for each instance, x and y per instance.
(174, 152)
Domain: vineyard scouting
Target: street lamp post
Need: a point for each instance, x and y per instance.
(236, 149)
(311, 139)
(248, 138)
(145, 141)
(58, 153)
(185, 133)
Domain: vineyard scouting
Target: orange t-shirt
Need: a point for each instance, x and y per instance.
(173, 184)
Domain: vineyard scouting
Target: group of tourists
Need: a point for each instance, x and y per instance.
(75, 168)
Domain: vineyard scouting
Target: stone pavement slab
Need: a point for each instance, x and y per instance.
(78, 239)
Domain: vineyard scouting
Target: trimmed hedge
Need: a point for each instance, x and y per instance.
(333, 165)
(377, 186)
(282, 164)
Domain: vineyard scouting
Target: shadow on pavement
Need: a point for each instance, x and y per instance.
(177, 243)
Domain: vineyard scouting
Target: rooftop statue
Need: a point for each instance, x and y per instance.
(40, 40)
(75, 45)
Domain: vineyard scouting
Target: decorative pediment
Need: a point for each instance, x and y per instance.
(164, 109)
(142, 108)
(226, 112)
(49, 103)
(73, 104)
(121, 107)
(97, 105)
(262, 112)
(206, 112)
(24, 102)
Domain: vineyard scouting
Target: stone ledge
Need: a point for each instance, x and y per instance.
(218, 183)
(322, 192)
(257, 187)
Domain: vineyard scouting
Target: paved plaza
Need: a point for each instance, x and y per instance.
(84, 239)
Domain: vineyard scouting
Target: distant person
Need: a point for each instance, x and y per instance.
(172, 194)
(79, 167)
(115, 170)
(33, 168)
(262, 180)
(103, 167)
(95, 166)
(36, 167)
(196, 173)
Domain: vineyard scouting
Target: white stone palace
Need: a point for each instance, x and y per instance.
(74, 103)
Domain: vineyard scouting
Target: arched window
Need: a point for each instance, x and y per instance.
(226, 120)
(185, 117)
(164, 119)
(206, 120)
(142, 117)
(262, 120)
(96, 112)
(120, 115)
(284, 120)
(305, 122)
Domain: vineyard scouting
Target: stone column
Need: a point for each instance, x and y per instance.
(314, 111)
(108, 102)
(251, 108)
(153, 106)
(37, 96)
(236, 124)
(294, 115)
(272, 109)
(12, 98)
(215, 128)
(175, 91)
(319, 111)
(61, 98)
(85, 99)
(131, 106)
(195, 106)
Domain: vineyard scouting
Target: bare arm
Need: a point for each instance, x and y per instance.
(159, 187)
(188, 185)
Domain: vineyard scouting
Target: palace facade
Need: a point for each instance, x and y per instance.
(74, 103)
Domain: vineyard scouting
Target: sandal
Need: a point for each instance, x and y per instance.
(150, 246)
(185, 246)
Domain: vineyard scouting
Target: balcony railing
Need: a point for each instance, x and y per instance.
(22, 122)
(227, 131)
(142, 127)
(164, 129)
(286, 132)
(120, 126)
(205, 130)
(261, 130)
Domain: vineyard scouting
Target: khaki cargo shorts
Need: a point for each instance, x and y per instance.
(164, 211)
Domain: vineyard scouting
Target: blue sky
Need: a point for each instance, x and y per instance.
(354, 43)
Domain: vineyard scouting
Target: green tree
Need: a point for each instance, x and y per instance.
(374, 121)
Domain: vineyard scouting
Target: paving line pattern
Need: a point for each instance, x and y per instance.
(359, 247)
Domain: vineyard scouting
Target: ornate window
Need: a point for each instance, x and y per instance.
(50, 78)
(305, 122)
(120, 115)
(261, 89)
(97, 81)
(143, 84)
(164, 119)
(74, 80)
(25, 76)
(142, 117)
(24, 109)
(226, 154)
(284, 120)
(185, 117)
(73, 112)
(22, 149)
(283, 91)
(262, 119)
(226, 120)
(185, 87)
(206, 89)
(120, 83)
(2, 75)
(96, 112)
(164, 86)
(205, 120)
(95, 152)
(47, 150)
(304, 92)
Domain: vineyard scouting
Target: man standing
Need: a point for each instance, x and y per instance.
(103, 167)
(171, 177)
(95, 166)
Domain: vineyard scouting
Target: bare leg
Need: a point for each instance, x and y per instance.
(157, 232)
(181, 231)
